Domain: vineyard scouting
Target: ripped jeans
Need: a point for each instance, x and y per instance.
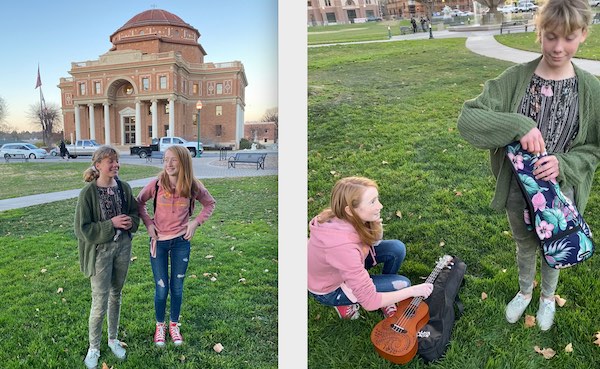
(179, 250)
(389, 252)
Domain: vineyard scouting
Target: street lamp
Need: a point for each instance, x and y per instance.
(198, 108)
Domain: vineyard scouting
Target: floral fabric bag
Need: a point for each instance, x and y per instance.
(565, 238)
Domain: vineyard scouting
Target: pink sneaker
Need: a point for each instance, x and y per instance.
(159, 334)
(389, 310)
(348, 311)
(175, 334)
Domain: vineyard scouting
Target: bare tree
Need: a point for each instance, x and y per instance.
(272, 115)
(4, 127)
(49, 118)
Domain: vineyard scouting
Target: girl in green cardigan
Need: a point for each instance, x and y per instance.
(548, 105)
(105, 218)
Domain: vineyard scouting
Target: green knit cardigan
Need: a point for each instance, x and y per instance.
(92, 231)
(490, 121)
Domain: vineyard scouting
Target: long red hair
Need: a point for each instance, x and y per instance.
(347, 192)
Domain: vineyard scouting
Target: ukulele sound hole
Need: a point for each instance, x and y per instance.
(397, 328)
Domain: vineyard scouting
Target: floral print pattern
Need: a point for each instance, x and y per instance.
(565, 237)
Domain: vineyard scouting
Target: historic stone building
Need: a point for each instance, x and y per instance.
(148, 85)
(324, 12)
(261, 132)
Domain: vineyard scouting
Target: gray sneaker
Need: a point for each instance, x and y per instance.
(545, 314)
(117, 349)
(91, 359)
(516, 307)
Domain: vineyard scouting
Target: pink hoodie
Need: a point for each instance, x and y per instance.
(335, 259)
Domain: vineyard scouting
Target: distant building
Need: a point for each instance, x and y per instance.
(260, 132)
(147, 86)
(406, 8)
(326, 12)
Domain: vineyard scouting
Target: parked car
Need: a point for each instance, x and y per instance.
(374, 19)
(55, 151)
(163, 143)
(20, 148)
(83, 148)
(526, 6)
(507, 9)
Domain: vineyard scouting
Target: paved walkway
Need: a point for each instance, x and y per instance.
(207, 166)
(484, 43)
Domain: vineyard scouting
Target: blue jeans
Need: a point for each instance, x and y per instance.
(179, 250)
(389, 252)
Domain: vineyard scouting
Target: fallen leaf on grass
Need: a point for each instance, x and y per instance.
(547, 353)
(458, 193)
(559, 300)
(209, 257)
(59, 290)
(442, 243)
(242, 280)
(206, 274)
(182, 358)
(218, 348)
(133, 258)
(399, 214)
(123, 344)
(384, 162)
(43, 270)
(503, 270)
(569, 347)
(529, 321)
(212, 279)
(104, 366)
(483, 295)
(535, 283)
(332, 172)
(193, 276)
(597, 341)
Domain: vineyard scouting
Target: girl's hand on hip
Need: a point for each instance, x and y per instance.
(546, 168)
(191, 229)
(152, 231)
(533, 142)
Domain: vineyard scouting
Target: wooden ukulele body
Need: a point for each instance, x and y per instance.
(395, 338)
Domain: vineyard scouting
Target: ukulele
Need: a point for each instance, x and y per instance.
(395, 337)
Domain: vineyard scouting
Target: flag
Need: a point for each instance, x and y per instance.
(38, 83)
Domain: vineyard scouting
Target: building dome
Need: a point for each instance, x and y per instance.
(155, 17)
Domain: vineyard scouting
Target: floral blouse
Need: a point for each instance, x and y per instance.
(554, 105)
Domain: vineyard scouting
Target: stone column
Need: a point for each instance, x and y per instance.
(154, 110)
(172, 116)
(92, 122)
(138, 123)
(106, 123)
(77, 123)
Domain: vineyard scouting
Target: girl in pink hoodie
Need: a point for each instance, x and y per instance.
(345, 241)
(174, 193)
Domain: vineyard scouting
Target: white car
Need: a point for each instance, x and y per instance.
(507, 9)
(26, 149)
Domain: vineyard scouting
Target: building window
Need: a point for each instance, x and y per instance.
(167, 108)
(331, 18)
(349, 2)
(219, 110)
(128, 88)
(145, 83)
(162, 80)
(219, 88)
(195, 89)
(150, 131)
(82, 88)
(368, 2)
(266, 130)
(327, 2)
(97, 88)
(309, 4)
(218, 130)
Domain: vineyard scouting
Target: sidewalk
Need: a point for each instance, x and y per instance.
(207, 166)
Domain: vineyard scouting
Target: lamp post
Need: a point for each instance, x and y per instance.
(198, 108)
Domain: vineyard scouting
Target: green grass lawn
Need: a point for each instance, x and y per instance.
(41, 327)
(22, 179)
(388, 111)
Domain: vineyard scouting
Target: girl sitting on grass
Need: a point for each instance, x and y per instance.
(174, 192)
(345, 241)
(548, 105)
(106, 216)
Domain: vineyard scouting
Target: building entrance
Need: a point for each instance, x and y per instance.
(129, 130)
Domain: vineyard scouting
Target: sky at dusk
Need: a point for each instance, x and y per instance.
(55, 34)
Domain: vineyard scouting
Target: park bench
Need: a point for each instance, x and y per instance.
(9, 157)
(405, 30)
(248, 158)
(155, 155)
(515, 25)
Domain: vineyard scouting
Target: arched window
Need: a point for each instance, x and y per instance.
(349, 2)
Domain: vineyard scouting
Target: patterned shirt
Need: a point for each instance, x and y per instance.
(110, 202)
(554, 105)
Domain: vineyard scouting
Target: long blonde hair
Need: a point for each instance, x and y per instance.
(565, 15)
(347, 192)
(186, 183)
(104, 151)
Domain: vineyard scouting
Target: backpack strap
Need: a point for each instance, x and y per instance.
(121, 194)
(155, 194)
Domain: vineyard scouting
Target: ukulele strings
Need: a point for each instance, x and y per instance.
(412, 307)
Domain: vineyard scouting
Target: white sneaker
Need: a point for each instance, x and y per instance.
(91, 359)
(116, 348)
(545, 314)
(516, 307)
